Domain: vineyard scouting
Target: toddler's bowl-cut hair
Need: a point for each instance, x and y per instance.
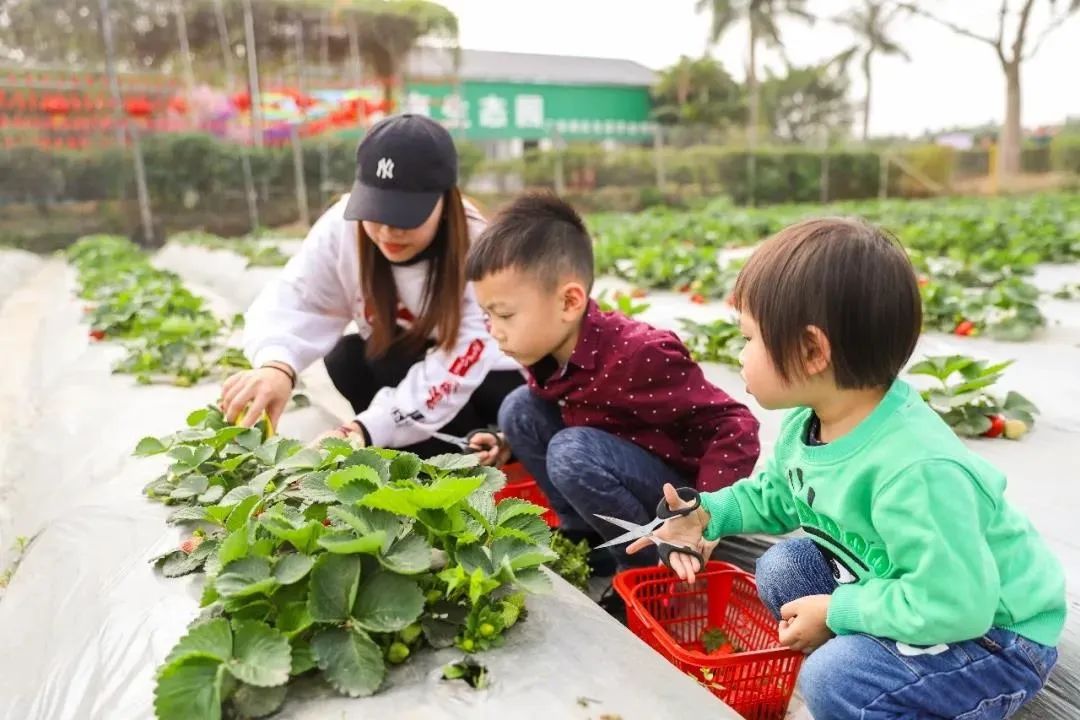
(848, 278)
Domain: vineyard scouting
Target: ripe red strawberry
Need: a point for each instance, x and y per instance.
(189, 545)
(964, 328)
(698, 299)
(638, 293)
(97, 335)
(684, 288)
(326, 522)
(997, 426)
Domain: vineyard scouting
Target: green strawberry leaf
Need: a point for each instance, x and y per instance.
(190, 486)
(339, 478)
(191, 457)
(294, 618)
(453, 461)
(345, 543)
(292, 568)
(350, 661)
(303, 659)
(408, 556)
(234, 496)
(387, 602)
(211, 639)
(442, 624)
(255, 702)
(233, 547)
(513, 507)
(187, 513)
(239, 515)
(372, 459)
(179, 563)
(313, 489)
(305, 459)
(534, 580)
(212, 495)
(404, 467)
(150, 446)
(245, 577)
(334, 580)
(189, 690)
(261, 655)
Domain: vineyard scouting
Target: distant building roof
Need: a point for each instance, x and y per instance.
(432, 62)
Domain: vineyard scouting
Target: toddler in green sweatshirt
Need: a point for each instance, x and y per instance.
(917, 588)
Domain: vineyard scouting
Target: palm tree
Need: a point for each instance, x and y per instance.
(762, 18)
(870, 24)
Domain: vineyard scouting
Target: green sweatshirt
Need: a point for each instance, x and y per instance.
(915, 525)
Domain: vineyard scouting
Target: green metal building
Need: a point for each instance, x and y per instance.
(510, 102)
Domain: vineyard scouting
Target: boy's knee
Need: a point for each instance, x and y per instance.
(515, 411)
(570, 453)
(781, 562)
(827, 678)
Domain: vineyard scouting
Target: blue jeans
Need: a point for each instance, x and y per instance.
(584, 471)
(866, 677)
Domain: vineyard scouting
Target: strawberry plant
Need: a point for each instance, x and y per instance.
(168, 332)
(258, 253)
(719, 341)
(963, 400)
(715, 640)
(1070, 291)
(624, 303)
(331, 561)
(573, 562)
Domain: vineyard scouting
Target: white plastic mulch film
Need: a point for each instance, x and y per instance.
(86, 620)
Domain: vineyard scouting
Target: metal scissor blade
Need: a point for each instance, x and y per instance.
(452, 439)
(635, 531)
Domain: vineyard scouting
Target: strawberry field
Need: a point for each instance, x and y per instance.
(336, 582)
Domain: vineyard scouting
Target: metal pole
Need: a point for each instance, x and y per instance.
(226, 46)
(185, 48)
(253, 75)
(230, 79)
(298, 175)
(123, 125)
(658, 157)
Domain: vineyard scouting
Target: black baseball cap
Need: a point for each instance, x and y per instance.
(404, 164)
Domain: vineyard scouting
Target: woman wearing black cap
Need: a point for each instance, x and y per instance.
(390, 258)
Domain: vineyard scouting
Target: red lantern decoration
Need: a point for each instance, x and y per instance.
(304, 101)
(241, 101)
(139, 108)
(57, 106)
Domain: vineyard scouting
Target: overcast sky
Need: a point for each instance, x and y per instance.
(950, 80)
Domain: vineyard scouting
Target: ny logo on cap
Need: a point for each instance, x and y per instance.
(385, 169)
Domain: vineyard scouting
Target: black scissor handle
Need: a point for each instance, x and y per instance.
(666, 549)
(688, 494)
(494, 432)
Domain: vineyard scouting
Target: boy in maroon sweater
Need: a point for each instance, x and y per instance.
(614, 408)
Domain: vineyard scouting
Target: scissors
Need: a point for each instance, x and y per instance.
(465, 442)
(663, 514)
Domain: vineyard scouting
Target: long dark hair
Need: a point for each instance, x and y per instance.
(443, 291)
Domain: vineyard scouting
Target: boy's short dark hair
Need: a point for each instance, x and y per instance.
(539, 234)
(848, 278)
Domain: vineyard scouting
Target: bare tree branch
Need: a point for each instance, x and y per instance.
(1018, 43)
(999, 46)
(1055, 23)
(916, 10)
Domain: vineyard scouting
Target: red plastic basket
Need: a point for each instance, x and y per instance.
(520, 484)
(670, 615)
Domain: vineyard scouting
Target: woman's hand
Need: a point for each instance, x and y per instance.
(349, 431)
(258, 389)
(490, 449)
